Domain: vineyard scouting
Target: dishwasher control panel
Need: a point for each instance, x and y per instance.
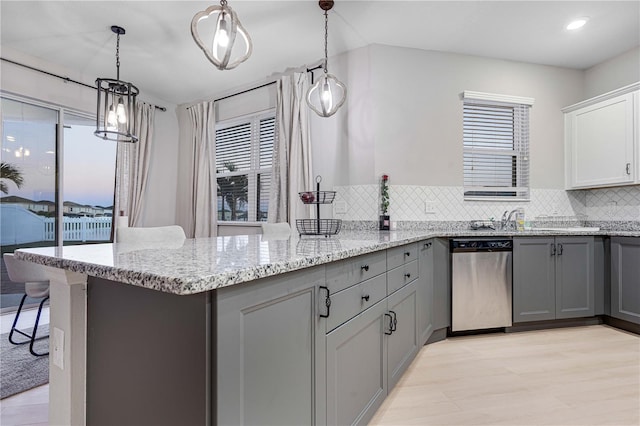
(481, 245)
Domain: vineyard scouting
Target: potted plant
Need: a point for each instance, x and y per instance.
(384, 203)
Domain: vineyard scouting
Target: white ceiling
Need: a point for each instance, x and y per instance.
(159, 55)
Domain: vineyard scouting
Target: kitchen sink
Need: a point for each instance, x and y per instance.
(569, 229)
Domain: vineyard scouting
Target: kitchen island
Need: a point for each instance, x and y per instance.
(237, 330)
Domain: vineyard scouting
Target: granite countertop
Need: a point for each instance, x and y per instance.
(202, 264)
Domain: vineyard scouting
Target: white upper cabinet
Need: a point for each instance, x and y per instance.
(601, 140)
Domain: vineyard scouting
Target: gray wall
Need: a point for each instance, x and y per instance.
(404, 115)
(617, 72)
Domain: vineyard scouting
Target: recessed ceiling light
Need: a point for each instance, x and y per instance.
(577, 23)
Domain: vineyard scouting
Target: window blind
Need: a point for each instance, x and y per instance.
(496, 150)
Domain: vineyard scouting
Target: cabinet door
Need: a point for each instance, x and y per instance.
(425, 290)
(441, 284)
(357, 367)
(269, 345)
(402, 343)
(625, 278)
(574, 277)
(534, 294)
(601, 138)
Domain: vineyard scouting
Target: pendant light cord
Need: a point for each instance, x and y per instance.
(326, 38)
(118, 57)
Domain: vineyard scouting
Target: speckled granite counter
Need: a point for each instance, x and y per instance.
(199, 265)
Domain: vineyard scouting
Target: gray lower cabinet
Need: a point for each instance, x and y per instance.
(625, 278)
(425, 290)
(403, 345)
(356, 374)
(553, 278)
(441, 284)
(270, 351)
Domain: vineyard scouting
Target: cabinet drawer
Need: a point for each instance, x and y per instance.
(397, 256)
(401, 276)
(350, 302)
(345, 273)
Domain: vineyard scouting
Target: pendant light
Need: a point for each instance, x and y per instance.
(328, 93)
(225, 39)
(115, 118)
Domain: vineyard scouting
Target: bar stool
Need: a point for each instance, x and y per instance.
(36, 285)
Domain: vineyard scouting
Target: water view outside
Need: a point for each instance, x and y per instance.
(31, 197)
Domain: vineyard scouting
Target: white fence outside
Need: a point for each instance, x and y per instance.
(80, 229)
(20, 226)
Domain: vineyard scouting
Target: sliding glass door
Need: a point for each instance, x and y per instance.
(57, 182)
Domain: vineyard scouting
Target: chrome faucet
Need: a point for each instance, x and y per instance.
(507, 223)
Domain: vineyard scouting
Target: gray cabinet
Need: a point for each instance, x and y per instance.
(356, 374)
(553, 278)
(270, 350)
(403, 345)
(625, 279)
(441, 284)
(425, 291)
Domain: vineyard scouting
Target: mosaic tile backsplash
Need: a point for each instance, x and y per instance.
(446, 203)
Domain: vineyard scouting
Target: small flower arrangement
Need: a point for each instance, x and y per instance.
(384, 203)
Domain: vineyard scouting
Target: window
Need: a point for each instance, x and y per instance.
(496, 146)
(244, 152)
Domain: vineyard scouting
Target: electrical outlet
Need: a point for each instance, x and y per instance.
(340, 207)
(58, 348)
(430, 207)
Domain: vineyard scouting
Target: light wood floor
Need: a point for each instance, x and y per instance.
(571, 376)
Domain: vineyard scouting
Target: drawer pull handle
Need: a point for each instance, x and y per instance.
(407, 275)
(408, 253)
(390, 332)
(327, 302)
(364, 268)
(365, 297)
(629, 168)
(560, 248)
(553, 249)
(427, 245)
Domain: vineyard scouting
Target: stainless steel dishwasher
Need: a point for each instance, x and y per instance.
(481, 284)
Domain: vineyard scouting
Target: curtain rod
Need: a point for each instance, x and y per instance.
(260, 87)
(66, 79)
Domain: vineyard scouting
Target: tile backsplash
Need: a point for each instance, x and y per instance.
(446, 203)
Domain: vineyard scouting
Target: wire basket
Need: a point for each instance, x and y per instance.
(317, 197)
(318, 226)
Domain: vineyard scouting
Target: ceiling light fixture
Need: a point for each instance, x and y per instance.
(575, 24)
(328, 93)
(115, 118)
(228, 27)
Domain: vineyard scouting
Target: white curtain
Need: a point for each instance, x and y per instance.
(132, 168)
(292, 151)
(204, 213)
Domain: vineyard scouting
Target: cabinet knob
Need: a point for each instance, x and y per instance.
(408, 253)
(427, 245)
(364, 267)
(365, 297)
(407, 275)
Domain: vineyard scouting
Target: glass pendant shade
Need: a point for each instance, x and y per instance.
(116, 112)
(327, 95)
(230, 45)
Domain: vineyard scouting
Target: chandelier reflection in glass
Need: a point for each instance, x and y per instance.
(230, 45)
(328, 93)
(115, 117)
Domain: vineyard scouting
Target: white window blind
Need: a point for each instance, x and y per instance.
(496, 148)
(244, 152)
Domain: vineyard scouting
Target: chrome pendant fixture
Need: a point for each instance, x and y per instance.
(328, 93)
(115, 117)
(223, 49)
